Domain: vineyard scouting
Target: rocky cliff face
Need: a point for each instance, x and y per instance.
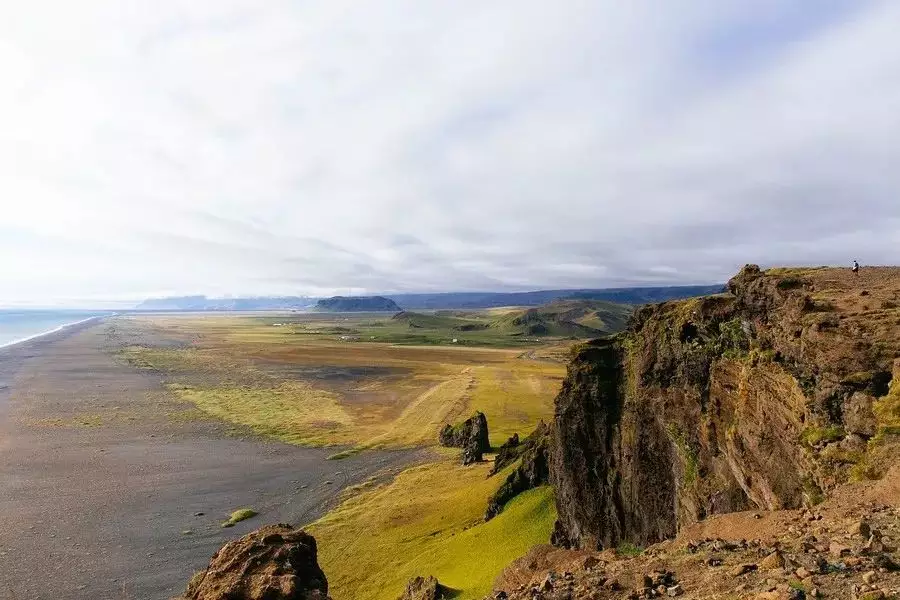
(765, 397)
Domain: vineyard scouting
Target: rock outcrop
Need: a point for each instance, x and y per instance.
(423, 588)
(358, 304)
(276, 562)
(533, 454)
(471, 435)
(765, 397)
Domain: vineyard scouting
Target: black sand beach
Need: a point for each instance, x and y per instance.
(102, 483)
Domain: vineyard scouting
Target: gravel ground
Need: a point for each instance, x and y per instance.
(110, 488)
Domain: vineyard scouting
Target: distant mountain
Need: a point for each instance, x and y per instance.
(440, 301)
(202, 303)
(357, 304)
(633, 296)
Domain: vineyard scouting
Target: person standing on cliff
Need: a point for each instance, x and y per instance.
(855, 268)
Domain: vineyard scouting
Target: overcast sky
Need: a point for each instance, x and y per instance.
(239, 147)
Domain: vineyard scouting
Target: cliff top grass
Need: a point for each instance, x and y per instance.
(429, 520)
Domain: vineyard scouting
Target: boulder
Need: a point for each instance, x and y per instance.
(471, 435)
(276, 562)
(423, 588)
(858, 415)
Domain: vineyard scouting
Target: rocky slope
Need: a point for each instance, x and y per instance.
(843, 549)
(766, 397)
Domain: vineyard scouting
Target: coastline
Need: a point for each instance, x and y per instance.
(58, 329)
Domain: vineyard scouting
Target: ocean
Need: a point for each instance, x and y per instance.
(17, 325)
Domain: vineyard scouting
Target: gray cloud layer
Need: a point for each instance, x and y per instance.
(395, 145)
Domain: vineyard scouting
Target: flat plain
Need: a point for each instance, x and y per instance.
(115, 437)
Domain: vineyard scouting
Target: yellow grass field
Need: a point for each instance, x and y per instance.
(317, 390)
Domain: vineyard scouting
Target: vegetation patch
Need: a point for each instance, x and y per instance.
(242, 514)
(346, 453)
(790, 283)
(429, 519)
(629, 550)
(813, 436)
(687, 454)
(293, 412)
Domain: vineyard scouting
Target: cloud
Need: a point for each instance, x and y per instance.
(394, 145)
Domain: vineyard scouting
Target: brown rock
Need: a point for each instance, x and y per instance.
(873, 595)
(862, 529)
(742, 569)
(838, 549)
(869, 577)
(873, 545)
(423, 588)
(858, 415)
(276, 562)
(772, 561)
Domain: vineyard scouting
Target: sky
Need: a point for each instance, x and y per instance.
(238, 147)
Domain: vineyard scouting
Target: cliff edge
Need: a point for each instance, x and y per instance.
(764, 397)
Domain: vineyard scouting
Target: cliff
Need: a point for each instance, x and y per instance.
(767, 396)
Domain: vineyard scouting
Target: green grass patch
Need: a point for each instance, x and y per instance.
(628, 549)
(293, 412)
(429, 520)
(812, 436)
(242, 514)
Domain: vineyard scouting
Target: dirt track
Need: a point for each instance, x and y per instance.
(101, 478)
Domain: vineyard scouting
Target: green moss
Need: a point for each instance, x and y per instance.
(629, 549)
(731, 342)
(812, 436)
(242, 514)
(687, 454)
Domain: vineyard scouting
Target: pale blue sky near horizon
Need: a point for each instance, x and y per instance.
(239, 148)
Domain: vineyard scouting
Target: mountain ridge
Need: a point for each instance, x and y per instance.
(443, 300)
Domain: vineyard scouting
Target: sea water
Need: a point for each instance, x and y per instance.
(17, 325)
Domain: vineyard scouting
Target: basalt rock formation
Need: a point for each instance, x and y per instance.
(533, 455)
(276, 562)
(471, 435)
(765, 397)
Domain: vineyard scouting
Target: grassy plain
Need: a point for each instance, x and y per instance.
(309, 384)
(367, 381)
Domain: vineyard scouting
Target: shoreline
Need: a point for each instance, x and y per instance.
(60, 328)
